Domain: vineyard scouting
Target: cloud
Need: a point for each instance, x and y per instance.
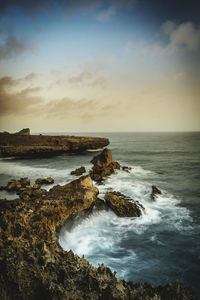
(26, 102)
(30, 76)
(183, 38)
(185, 35)
(22, 102)
(84, 109)
(12, 47)
(89, 77)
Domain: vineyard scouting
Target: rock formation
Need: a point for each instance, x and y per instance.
(34, 267)
(126, 169)
(25, 131)
(48, 180)
(16, 185)
(79, 171)
(122, 205)
(103, 165)
(155, 191)
(20, 145)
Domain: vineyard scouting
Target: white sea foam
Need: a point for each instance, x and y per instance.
(101, 235)
(16, 169)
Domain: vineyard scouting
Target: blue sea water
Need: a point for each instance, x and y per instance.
(161, 246)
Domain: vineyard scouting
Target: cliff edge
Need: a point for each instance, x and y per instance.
(23, 144)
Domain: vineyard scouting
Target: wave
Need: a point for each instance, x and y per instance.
(103, 237)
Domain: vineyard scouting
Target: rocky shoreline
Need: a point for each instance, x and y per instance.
(23, 144)
(32, 263)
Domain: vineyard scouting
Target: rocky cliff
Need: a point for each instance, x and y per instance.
(24, 145)
(32, 264)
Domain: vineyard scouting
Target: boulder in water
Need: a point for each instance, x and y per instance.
(78, 171)
(103, 165)
(155, 191)
(122, 205)
(126, 169)
(15, 185)
(47, 180)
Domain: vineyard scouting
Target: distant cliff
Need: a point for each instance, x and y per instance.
(22, 144)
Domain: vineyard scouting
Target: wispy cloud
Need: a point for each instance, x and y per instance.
(88, 76)
(27, 102)
(11, 47)
(20, 102)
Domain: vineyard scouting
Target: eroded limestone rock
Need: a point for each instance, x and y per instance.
(122, 205)
(103, 165)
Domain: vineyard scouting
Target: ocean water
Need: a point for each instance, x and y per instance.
(161, 246)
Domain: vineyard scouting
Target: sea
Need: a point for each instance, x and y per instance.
(161, 246)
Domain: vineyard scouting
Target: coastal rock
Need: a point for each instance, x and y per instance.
(155, 191)
(78, 171)
(103, 165)
(122, 205)
(33, 265)
(25, 131)
(77, 191)
(15, 185)
(100, 205)
(25, 145)
(126, 169)
(47, 180)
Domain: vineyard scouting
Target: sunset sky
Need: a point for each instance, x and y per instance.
(115, 65)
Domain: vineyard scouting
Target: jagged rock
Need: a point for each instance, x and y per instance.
(79, 171)
(122, 205)
(126, 169)
(15, 185)
(25, 131)
(100, 204)
(33, 266)
(47, 180)
(103, 165)
(36, 186)
(75, 191)
(155, 191)
(20, 145)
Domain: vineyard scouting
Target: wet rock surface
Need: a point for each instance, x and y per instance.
(16, 185)
(32, 264)
(122, 205)
(155, 191)
(47, 180)
(126, 169)
(103, 165)
(78, 171)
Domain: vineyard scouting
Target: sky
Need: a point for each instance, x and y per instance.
(92, 65)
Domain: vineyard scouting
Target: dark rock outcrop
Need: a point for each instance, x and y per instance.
(126, 169)
(20, 145)
(122, 205)
(103, 165)
(33, 266)
(155, 191)
(79, 171)
(47, 180)
(25, 131)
